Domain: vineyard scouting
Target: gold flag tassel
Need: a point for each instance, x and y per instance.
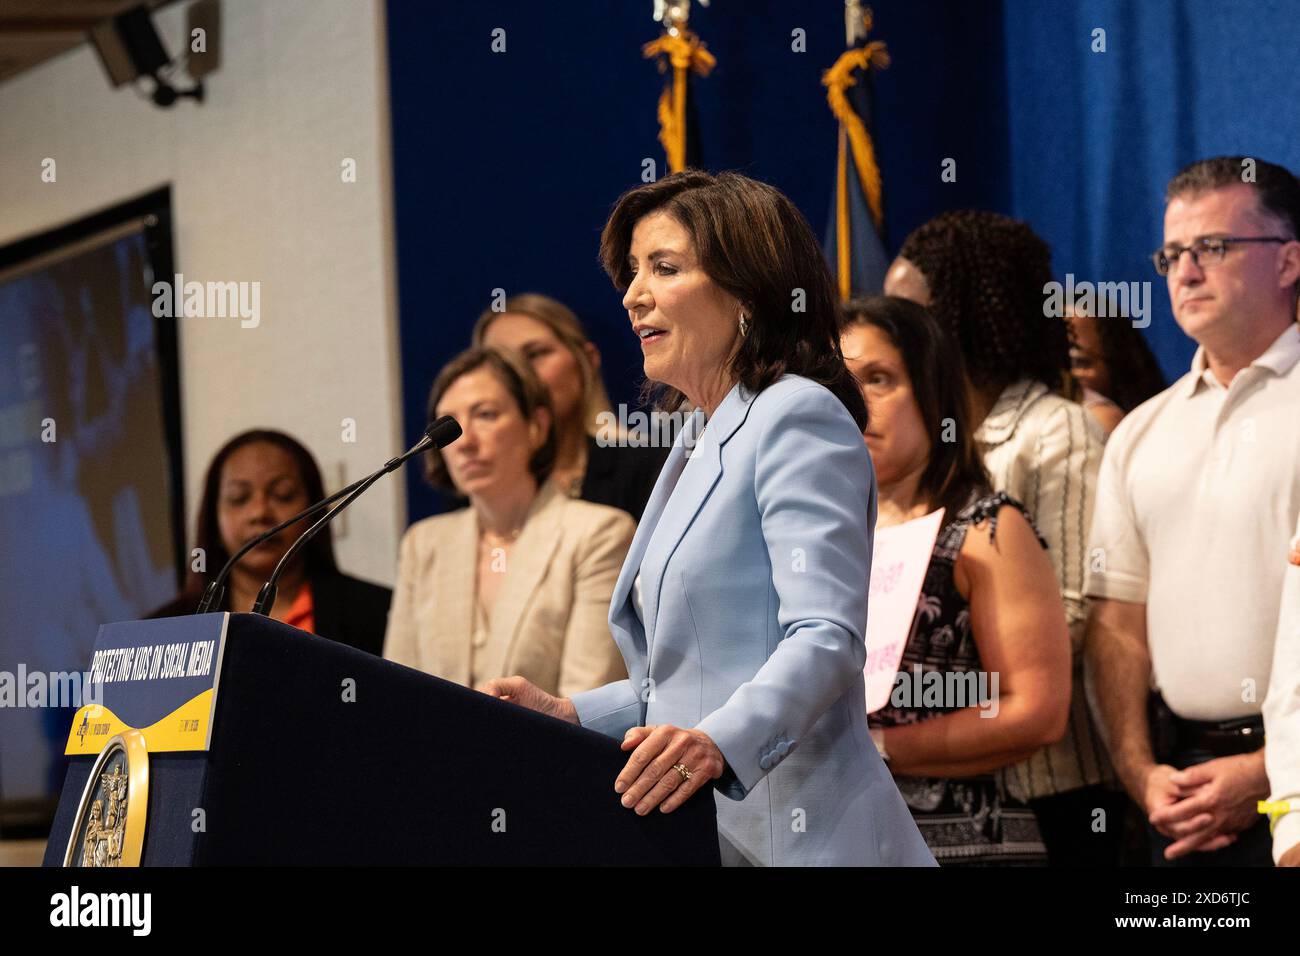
(684, 51)
(853, 138)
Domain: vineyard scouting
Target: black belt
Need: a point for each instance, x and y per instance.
(1222, 738)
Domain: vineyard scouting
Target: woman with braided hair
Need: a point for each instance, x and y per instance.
(982, 275)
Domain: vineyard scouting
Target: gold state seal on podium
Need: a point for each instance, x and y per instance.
(110, 822)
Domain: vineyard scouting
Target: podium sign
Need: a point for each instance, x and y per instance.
(156, 677)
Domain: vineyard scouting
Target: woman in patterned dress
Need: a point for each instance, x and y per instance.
(990, 606)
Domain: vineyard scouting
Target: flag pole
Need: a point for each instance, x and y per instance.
(854, 139)
(680, 53)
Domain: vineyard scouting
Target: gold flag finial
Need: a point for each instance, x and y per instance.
(674, 14)
(857, 22)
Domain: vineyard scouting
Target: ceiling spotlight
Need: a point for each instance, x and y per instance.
(130, 48)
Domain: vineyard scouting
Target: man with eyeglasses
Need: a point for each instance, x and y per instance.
(1198, 496)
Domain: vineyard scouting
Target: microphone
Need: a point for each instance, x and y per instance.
(440, 433)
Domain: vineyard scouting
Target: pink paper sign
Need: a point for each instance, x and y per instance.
(898, 563)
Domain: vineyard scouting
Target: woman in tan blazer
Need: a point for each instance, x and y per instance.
(519, 582)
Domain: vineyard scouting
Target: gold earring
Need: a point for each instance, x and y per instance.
(744, 325)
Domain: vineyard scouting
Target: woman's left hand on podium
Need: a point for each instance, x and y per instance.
(651, 778)
(521, 691)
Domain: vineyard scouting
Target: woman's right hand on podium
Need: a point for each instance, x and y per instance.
(521, 691)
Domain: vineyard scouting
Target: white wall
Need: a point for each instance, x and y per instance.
(257, 196)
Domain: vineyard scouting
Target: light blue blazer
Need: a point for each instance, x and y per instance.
(755, 557)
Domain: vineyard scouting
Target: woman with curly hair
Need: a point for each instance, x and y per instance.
(983, 275)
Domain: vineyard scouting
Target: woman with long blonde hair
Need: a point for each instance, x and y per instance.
(592, 461)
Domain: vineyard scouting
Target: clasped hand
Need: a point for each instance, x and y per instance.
(1204, 807)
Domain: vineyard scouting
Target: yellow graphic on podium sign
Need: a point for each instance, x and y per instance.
(185, 728)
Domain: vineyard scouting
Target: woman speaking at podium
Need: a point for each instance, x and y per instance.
(741, 607)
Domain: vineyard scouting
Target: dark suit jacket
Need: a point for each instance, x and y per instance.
(621, 477)
(345, 609)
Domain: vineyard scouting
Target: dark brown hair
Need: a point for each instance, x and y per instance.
(318, 554)
(934, 364)
(754, 243)
(525, 388)
(986, 274)
(1276, 190)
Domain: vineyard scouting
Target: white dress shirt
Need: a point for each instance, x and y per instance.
(1282, 711)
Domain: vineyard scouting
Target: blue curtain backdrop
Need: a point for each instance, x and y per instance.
(506, 164)
(1096, 136)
